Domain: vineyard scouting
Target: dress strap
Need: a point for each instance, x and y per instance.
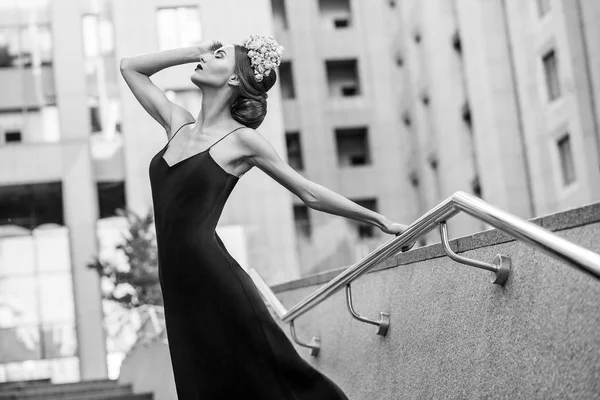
(187, 123)
(225, 136)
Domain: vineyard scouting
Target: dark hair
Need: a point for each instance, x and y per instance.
(249, 106)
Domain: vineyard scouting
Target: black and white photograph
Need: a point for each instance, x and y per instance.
(299, 199)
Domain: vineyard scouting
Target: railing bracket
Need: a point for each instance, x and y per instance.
(500, 264)
(314, 345)
(384, 318)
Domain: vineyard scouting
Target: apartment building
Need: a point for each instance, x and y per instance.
(499, 98)
(398, 104)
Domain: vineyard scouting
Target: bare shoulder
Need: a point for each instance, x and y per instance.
(254, 143)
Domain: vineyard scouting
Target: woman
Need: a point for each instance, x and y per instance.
(223, 341)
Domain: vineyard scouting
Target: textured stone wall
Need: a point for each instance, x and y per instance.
(455, 335)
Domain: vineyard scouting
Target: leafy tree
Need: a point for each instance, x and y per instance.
(138, 284)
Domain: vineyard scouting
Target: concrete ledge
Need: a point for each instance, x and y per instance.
(562, 220)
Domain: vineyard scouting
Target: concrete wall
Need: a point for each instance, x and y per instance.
(455, 335)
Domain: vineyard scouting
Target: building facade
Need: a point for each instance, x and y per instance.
(398, 104)
(500, 99)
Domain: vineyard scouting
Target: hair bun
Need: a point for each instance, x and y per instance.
(249, 110)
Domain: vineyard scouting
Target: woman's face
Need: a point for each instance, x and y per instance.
(215, 68)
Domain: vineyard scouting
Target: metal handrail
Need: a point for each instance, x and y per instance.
(528, 232)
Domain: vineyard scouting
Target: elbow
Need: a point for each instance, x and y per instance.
(310, 198)
(311, 202)
(123, 63)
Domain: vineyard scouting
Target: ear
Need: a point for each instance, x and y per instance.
(234, 80)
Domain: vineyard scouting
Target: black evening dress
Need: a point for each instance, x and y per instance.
(223, 341)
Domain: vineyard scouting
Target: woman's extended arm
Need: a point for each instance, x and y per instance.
(136, 71)
(264, 156)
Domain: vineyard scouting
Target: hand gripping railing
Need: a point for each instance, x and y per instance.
(534, 235)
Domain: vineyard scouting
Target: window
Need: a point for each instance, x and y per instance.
(95, 119)
(294, 150)
(25, 45)
(433, 161)
(466, 115)
(366, 230)
(551, 72)
(111, 196)
(456, 42)
(425, 97)
(399, 59)
(97, 35)
(476, 186)
(352, 146)
(415, 182)
(335, 14)
(36, 303)
(279, 14)
(30, 125)
(12, 136)
(417, 36)
(566, 159)
(543, 7)
(342, 78)
(178, 27)
(406, 119)
(31, 205)
(302, 221)
(287, 80)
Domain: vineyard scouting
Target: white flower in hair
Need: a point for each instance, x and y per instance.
(264, 53)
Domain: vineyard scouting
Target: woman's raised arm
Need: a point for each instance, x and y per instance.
(262, 155)
(136, 71)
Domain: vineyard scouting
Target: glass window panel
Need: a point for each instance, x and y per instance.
(21, 343)
(16, 256)
(44, 44)
(25, 370)
(178, 27)
(60, 340)
(52, 246)
(56, 294)
(63, 370)
(89, 28)
(550, 62)
(566, 160)
(18, 301)
(107, 41)
(9, 46)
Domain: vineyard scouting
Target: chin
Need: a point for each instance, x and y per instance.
(196, 81)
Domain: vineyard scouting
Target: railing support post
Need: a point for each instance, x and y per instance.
(500, 265)
(384, 318)
(314, 345)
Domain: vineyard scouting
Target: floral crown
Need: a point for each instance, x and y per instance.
(265, 54)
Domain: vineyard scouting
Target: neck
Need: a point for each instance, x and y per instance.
(215, 109)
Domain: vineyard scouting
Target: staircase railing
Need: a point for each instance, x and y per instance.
(525, 231)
